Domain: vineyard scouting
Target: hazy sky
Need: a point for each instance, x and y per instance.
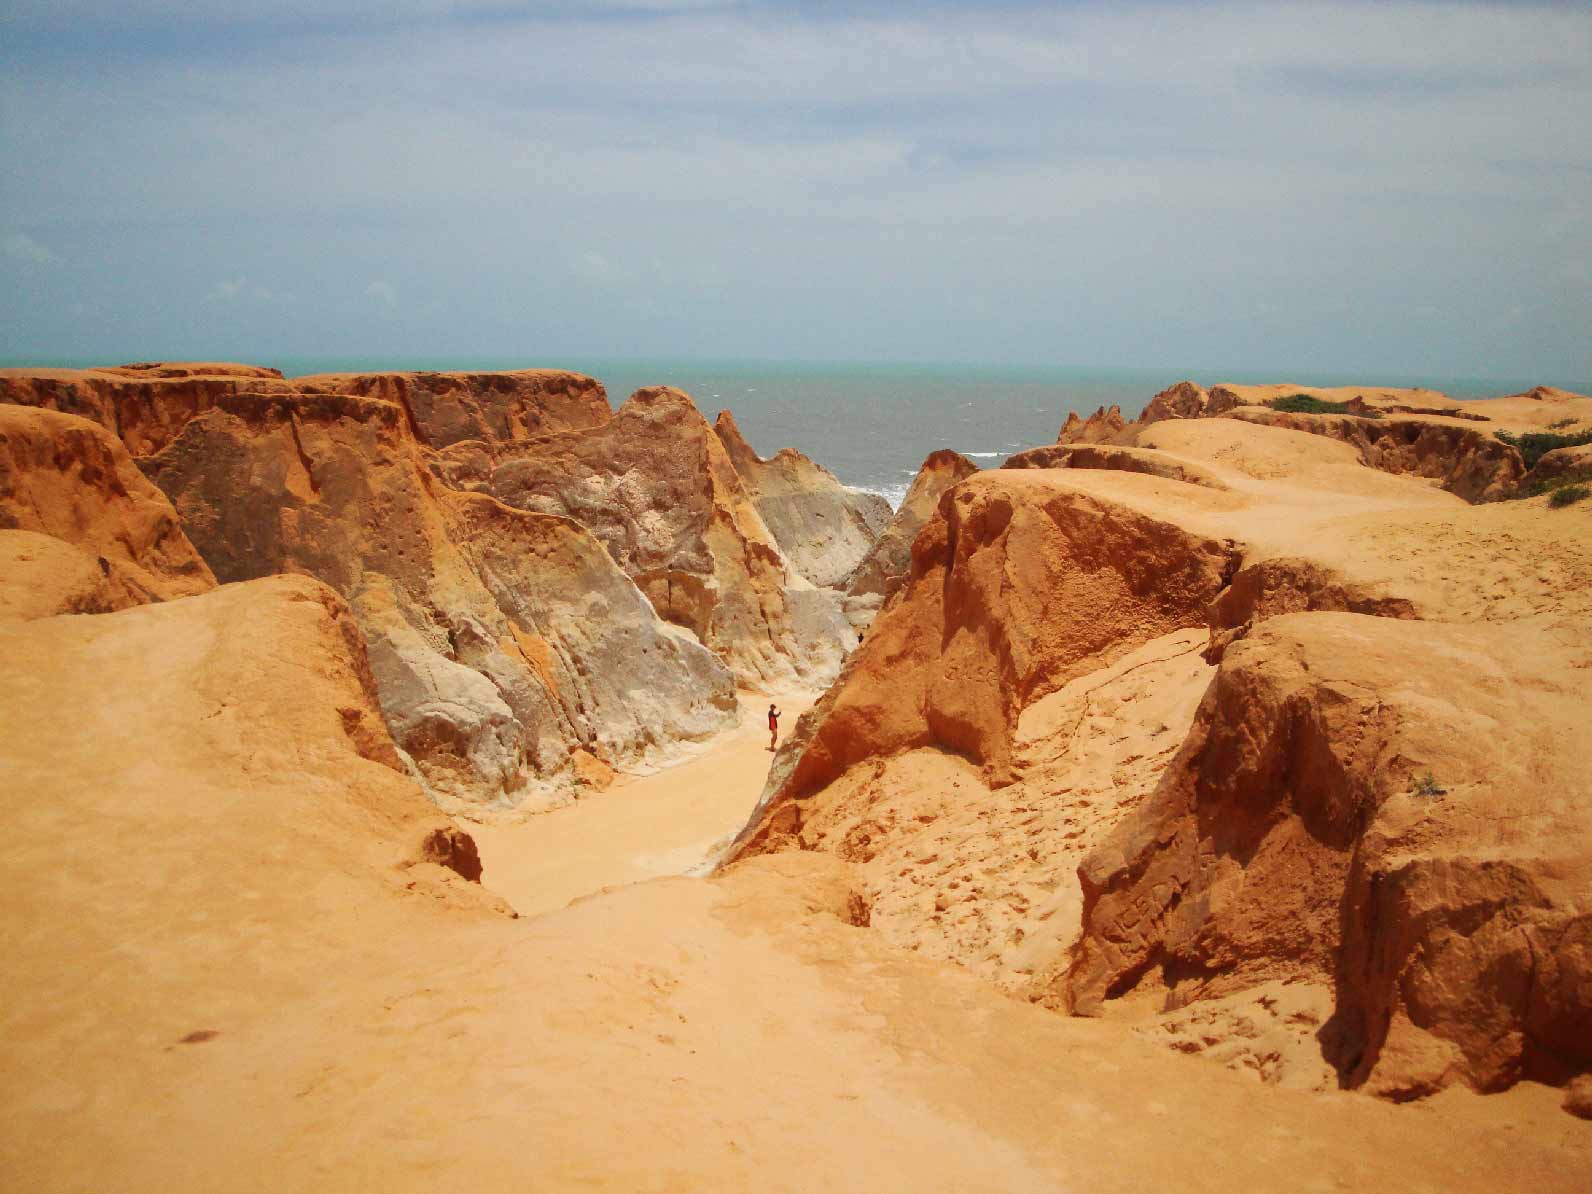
(1390, 188)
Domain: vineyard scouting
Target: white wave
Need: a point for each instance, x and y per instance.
(894, 494)
(985, 455)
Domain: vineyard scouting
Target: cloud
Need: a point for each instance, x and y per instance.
(596, 270)
(235, 289)
(383, 292)
(1041, 181)
(22, 247)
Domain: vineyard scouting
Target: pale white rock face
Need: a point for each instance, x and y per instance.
(824, 528)
(504, 641)
(822, 630)
(664, 495)
(429, 700)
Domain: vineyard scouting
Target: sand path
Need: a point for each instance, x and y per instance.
(644, 826)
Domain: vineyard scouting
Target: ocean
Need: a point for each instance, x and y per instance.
(872, 424)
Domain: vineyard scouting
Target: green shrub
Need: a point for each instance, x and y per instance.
(1428, 786)
(1561, 424)
(1534, 445)
(1568, 495)
(1306, 404)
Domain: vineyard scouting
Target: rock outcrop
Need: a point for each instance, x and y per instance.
(1389, 432)
(891, 556)
(1105, 426)
(1021, 584)
(658, 487)
(500, 408)
(1468, 462)
(503, 641)
(145, 405)
(1320, 860)
(1339, 817)
(824, 528)
(1115, 458)
(68, 478)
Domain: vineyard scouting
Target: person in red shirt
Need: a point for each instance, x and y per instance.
(773, 727)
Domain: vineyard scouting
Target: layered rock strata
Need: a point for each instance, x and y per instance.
(1307, 860)
(824, 528)
(1336, 817)
(510, 649)
(503, 641)
(68, 479)
(658, 487)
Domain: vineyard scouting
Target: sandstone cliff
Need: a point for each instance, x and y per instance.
(502, 640)
(119, 541)
(891, 555)
(510, 650)
(1416, 432)
(1338, 817)
(447, 408)
(1043, 777)
(144, 404)
(658, 487)
(824, 528)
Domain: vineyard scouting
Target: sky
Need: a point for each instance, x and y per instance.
(1395, 189)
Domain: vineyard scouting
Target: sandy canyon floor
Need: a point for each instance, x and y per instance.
(643, 827)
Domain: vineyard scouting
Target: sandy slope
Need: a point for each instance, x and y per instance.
(230, 969)
(643, 827)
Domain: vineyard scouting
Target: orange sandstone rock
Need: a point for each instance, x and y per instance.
(891, 555)
(68, 478)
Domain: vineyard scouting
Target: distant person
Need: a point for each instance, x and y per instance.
(773, 727)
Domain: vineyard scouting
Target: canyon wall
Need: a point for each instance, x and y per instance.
(1204, 731)
(549, 588)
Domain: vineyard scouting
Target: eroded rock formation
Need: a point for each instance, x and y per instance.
(824, 528)
(502, 640)
(69, 479)
(512, 647)
(1020, 582)
(1114, 457)
(1338, 817)
(1312, 861)
(499, 408)
(657, 486)
(144, 404)
(1423, 438)
(891, 556)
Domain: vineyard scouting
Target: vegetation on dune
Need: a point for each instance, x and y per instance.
(1568, 495)
(1428, 786)
(1534, 445)
(1307, 404)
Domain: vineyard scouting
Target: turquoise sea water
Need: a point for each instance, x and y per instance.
(872, 425)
